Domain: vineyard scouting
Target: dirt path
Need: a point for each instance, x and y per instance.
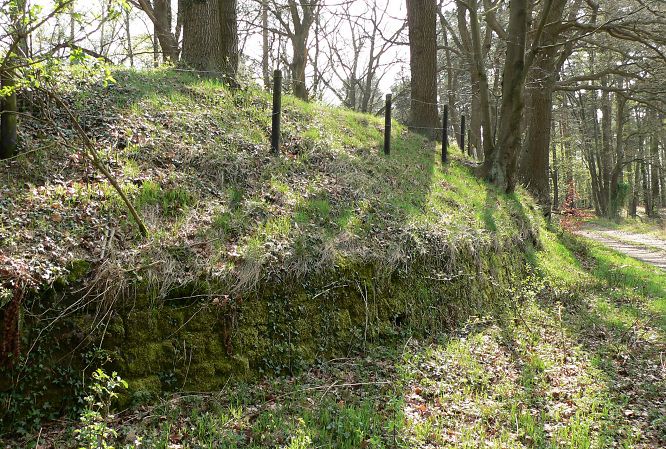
(639, 246)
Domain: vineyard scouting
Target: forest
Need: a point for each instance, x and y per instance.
(332, 224)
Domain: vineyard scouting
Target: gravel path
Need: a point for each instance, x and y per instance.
(643, 247)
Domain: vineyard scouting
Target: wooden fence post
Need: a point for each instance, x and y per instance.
(387, 125)
(277, 112)
(445, 134)
(462, 133)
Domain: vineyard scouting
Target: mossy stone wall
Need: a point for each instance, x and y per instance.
(199, 338)
(199, 344)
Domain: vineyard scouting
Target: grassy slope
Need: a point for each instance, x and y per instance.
(574, 362)
(194, 158)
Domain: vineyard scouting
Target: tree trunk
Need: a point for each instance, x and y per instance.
(422, 23)
(606, 156)
(654, 172)
(229, 56)
(264, 45)
(128, 34)
(480, 114)
(616, 178)
(370, 76)
(539, 111)
(535, 159)
(298, 64)
(556, 185)
(201, 35)
(72, 22)
(500, 167)
(645, 185)
(156, 49)
(633, 206)
(8, 106)
(662, 172)
(8, 125)
(161, 18)
(451, 82)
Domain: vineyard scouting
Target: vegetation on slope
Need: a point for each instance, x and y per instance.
(569, 358)
(194, 158)
(253, 262)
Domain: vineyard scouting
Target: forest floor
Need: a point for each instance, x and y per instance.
(647, 247)
(576, 361)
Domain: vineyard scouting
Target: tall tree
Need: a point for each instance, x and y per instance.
(539, 106)
(301, 20)
(500, 164)
(17, 52)
(159, 13)
(210, 36)
(422, 24)
(201, 35)
(228, 55)
(8, 125)
(265, 50)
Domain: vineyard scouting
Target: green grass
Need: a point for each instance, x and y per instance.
(194, 158)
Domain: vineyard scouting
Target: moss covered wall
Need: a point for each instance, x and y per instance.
(198, 344)
(198, 338)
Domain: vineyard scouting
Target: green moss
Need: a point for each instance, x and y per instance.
(147, 358)
(142, 390)
(78, 269)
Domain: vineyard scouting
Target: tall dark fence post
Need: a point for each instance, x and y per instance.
(445, 134)
(469, 142)
(387, 125)
(462, 133)
(277, 111)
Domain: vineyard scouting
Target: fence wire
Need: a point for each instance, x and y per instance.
(291, 81)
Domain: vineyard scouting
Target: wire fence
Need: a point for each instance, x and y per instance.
(277, 81)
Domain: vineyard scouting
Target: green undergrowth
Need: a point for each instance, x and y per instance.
(194, 158)
(572, 360)
(255, 264)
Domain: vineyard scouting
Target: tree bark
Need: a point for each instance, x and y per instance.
(654, 169)
(8, 104)
(298, 64)
(615, 203)
(500, 166)
(539, 111)
(556, 184)
(422, 24)
(662, 172)
(8, 123)
(633, 205)
(451, 86)
(159, 14)
(451, 81)
(480, 115)
(264, 45)
(647, 193)
(201, 35)
(606, 156)
(227, 10)
(128, 34)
